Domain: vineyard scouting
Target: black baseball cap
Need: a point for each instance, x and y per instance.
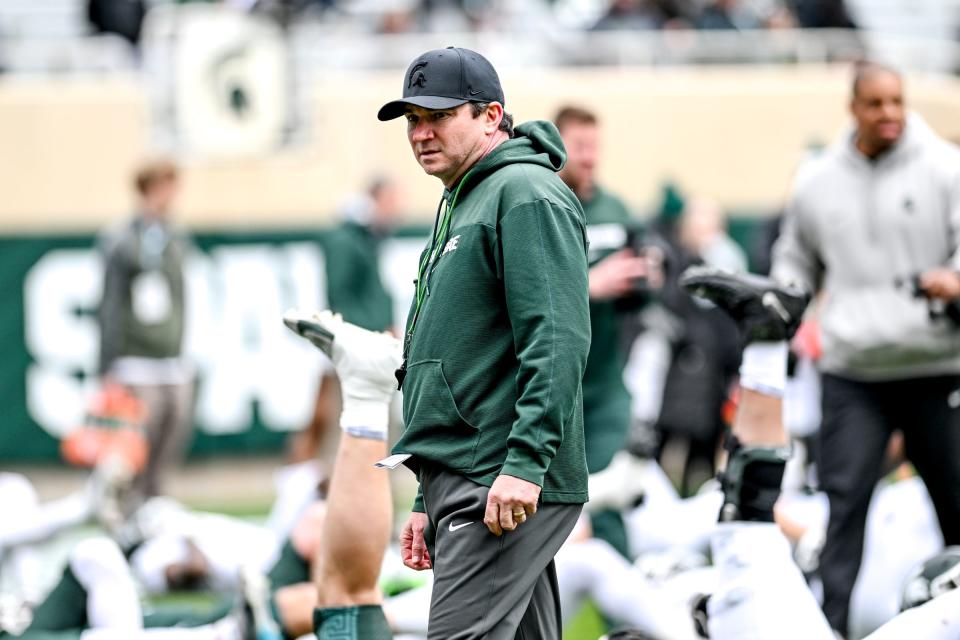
(446, 78)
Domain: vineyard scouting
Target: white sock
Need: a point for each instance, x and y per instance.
(296, 489)
(365, 418)
(764, 367)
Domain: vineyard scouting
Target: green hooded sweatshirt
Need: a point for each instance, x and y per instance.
(496, 353)
(606, 401)
(354, 288)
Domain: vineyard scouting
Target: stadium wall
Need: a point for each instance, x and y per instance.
(733, 133)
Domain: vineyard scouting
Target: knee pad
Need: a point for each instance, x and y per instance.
(751, 481)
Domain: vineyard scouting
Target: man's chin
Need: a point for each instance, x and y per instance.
(890, 135)
(432, 169)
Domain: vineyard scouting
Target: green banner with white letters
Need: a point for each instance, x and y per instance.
(256, 380)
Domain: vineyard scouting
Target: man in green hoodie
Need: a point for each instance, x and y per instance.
(615, 272)
(494, 351)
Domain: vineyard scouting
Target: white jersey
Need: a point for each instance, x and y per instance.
(902, 531)
(227, 543)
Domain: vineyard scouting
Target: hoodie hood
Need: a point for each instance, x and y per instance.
(536, 142)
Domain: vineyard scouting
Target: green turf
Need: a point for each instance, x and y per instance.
(586, 625)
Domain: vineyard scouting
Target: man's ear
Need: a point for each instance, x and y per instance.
(493, 116)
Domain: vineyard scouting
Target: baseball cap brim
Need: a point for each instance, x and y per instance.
(396, 108)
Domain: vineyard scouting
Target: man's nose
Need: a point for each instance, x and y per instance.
(422, 131)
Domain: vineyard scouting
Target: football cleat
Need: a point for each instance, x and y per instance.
(367, 357)
(933, 578)
(311, 326)
(764, 310)
(366, 363)
(700, 614)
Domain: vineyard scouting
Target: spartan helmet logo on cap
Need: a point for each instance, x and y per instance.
(417, 77)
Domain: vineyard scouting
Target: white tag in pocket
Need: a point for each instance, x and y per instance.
(151, 297)
(392, 462)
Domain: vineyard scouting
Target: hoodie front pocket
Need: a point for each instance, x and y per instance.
(435, 429)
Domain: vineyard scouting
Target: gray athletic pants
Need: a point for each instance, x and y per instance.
(495, 588)
(169, 428)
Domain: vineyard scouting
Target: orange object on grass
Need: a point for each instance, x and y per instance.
(112, 427)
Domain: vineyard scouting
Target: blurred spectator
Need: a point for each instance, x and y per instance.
(352, 256)
(142, 319)
(761, 247)
(703, 233)
(122, 17)
(396, 21)
(727, 14)
(284, 12)
(354, 290)
(705, 349)
(632, 14)
(822, 14)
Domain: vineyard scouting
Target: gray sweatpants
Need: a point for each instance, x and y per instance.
(495, 588)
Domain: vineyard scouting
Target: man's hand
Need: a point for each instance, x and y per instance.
(615, 276)
(509, 502)
(941, 283)
(413, 548)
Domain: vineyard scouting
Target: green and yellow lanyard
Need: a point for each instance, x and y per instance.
(441, 229)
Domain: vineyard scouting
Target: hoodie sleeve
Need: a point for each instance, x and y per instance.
(953, 217)
(795, 257)
(544, 263)
(418, 505)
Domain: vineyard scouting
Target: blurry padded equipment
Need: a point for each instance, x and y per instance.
(122, 17)
(751, 481)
